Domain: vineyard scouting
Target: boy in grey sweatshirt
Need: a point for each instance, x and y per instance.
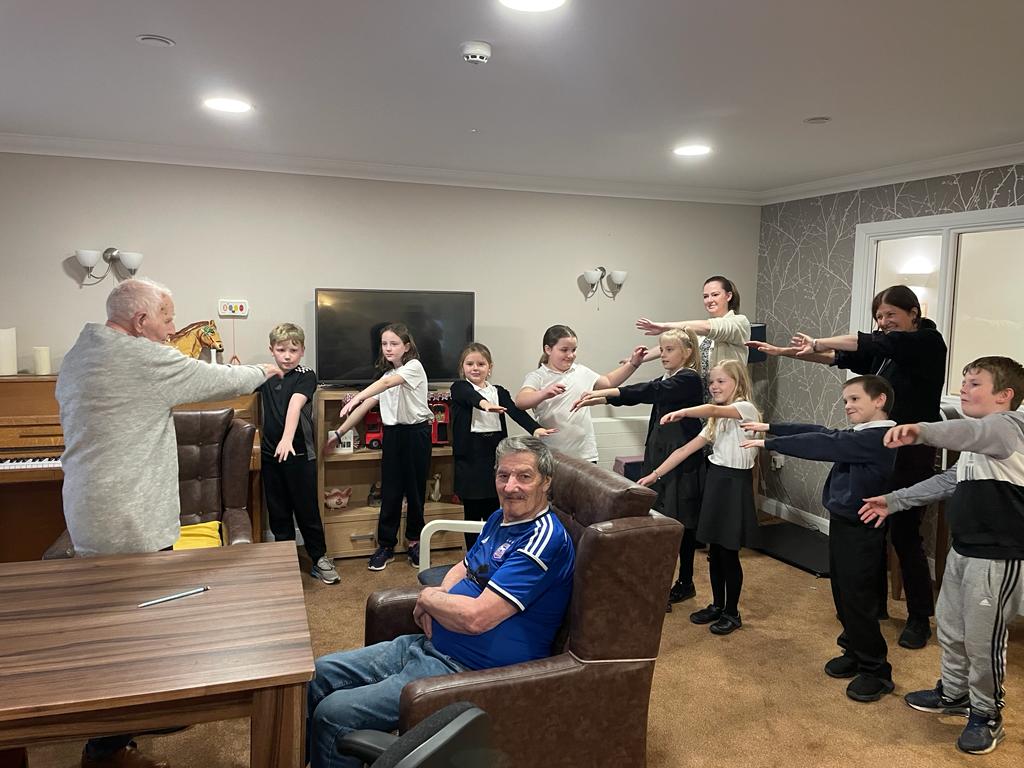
(981, 587)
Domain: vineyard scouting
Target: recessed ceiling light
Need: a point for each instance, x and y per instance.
(532, 6)
(692, 150)
(818, 120)
(157, 41)
(227, 105)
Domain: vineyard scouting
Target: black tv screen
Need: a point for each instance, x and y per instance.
(349, 322)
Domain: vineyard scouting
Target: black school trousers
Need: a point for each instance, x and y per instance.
(855, 552)
(405, 461)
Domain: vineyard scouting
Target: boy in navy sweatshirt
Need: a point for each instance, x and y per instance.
(981, 586)
(863, 467)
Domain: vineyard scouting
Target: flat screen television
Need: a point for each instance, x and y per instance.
(349, 322)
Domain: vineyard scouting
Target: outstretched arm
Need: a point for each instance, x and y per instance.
(703, 412)
(825, 358)
(615, 377)
(381, 384)
(658, 327)
(597, 397)
(673, 460)
(354, 417)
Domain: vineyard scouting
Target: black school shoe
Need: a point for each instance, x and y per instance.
(841, 667)
(706, 615)
(868, 688)
(726, 624)
(681, 591)
(915, 635)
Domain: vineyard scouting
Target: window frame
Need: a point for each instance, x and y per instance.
(947, 225)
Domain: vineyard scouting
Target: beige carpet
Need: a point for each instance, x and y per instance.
(755, 698)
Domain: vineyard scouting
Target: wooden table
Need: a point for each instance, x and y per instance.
(78, 658)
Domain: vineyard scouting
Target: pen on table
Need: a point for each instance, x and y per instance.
(164, 599)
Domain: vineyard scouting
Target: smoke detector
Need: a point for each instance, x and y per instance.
(476, 52)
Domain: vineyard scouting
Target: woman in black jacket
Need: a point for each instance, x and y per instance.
(909, 352)
(478, 425)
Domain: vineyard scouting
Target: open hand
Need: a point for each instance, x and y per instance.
(876, 509)
(587, 398)
(490, 407)
(647, 480)
(771, 349)
(349, 406)
(650, 327)
(751, 443)
(543, 432)
(904, 434)
(284, 450)
(754, 426)
(668, 418)
(554, 389)
(803, 344)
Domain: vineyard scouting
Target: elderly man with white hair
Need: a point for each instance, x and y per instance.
(116, 388)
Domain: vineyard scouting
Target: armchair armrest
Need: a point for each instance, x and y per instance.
(366, 745)
(236, 527)
(389, 614)
(501, 691)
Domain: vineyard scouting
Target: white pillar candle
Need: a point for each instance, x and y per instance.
(42, 359)
(8, 352)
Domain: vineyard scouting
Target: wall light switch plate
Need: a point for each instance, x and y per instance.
(232, 307)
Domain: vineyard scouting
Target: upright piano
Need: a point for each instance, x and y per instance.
(31, 442)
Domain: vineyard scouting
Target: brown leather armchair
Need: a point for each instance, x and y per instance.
(214, 450)
(587, 704)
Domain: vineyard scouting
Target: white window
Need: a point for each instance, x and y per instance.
(967, 270)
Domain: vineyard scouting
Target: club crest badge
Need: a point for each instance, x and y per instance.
(501, 550)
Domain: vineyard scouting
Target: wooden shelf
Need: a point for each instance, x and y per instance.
(367, 454)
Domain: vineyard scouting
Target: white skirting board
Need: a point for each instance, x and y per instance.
(619, 436)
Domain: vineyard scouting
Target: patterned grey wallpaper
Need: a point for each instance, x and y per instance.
(805, 271)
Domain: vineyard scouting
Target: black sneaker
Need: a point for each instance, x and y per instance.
(706, 615)
(380, 559)
(680, 592)
(726, 624)
(937, 702)
(841, 666)
(414, 555)
(868, 688)
(915, 635)
(981, 735)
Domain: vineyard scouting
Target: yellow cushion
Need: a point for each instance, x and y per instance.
(199, 535)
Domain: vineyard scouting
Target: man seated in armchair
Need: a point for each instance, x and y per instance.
(503, 604)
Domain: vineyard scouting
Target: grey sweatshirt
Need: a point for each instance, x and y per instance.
(120, 459)
(985, 487)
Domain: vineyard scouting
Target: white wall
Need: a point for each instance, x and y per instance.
(272, 238)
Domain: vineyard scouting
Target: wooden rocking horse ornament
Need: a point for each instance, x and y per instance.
(193, 339)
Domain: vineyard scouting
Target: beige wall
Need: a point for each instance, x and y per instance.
(273, 238)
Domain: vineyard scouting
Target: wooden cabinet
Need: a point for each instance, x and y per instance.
(352, 531)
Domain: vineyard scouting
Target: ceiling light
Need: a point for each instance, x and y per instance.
(818, 120)
(692, 150)
(157, 41)
(532, 6)
(227, 105)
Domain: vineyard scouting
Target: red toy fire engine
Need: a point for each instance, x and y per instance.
(374, 437)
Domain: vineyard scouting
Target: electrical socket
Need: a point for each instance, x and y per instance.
(777, 460)
(232, 307)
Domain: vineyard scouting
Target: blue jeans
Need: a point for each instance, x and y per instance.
(359, 689)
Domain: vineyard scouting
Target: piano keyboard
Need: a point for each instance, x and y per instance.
(48, 462)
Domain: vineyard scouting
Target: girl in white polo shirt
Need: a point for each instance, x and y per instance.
(727, 517)
(560, 381)
(401, 392)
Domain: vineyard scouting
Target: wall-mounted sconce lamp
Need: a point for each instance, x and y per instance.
(610, 283)
(130, 260)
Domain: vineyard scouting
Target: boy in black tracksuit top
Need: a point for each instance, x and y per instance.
(982, 590)
(863, 467)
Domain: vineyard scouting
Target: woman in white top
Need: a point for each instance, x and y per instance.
(401, 392)
(560, 381)
(724, 333)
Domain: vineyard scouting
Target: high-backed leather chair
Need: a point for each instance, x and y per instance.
(587, 704)
(214, 450)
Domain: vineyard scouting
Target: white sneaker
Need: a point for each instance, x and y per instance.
(324, 570)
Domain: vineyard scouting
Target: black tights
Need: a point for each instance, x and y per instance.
(726, 577)
(686, 549)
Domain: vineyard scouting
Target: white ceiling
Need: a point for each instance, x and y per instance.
(590, 98)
